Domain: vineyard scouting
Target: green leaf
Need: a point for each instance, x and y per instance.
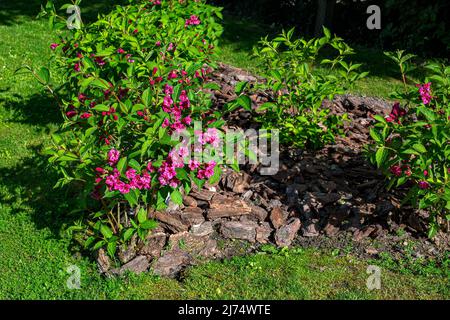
(212, 86)
(106, 231)
(240, 87)
(146, 97)
(112, 248)
(381, 156)
(245, 102)
(176, 197)
(131, 197)
(375, 135)
(122, 165)
(44, 75)
(142, 215)
(149, 224)
(420, 147)
(128, 234)
(101, 107)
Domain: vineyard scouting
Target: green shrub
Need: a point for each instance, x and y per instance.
(412, 144)
(299, 86)
(132, 80)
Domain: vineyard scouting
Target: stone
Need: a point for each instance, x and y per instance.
(277, 217)
(363, 233)
(243, 230)
(222, 206)
(311, 229)
(171, 263)
(286, 234)
(103, 261)
(192, 215)
(137, 265)
(263, 232)
(170, 221)
(202, 229)
(188, 242)
(154, 243)
(127, 252)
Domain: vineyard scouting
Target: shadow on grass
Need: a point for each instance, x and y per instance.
(28, 187)
(18, 11)
(38, 109)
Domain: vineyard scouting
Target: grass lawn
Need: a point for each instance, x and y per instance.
(35, 251)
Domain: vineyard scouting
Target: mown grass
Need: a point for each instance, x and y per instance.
(35, 250)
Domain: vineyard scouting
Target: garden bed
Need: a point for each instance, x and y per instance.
(328, 198)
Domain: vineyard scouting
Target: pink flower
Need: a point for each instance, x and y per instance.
(396, 113)
(100, 170)
(77, 67)
(165, 123)
(120, 50)
(424, 185)
(184, 100)
(172, 75)
(158, 43)
(193, 20)
(130, 174)
(113, 156)
(187, 120)
(167, 103)
(396, 170)
(193, 164)
(425, 92)
(53, 46)
(71, 113)
(86, 115)
(425, 173)
(170, 47)
(100, 61)
(168, 89)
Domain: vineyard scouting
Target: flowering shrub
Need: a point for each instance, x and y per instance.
(132, 82)
(412, 143)
(299, 87)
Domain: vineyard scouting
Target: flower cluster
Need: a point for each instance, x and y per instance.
(135, 181)
(425, 92)
(192, 21)
(396, 113)
(175, 110)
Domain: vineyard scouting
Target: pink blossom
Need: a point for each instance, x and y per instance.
(170, 47)
(424, 185)
(396, 113)
(165, 123)
(120, 50)
(86, 115)
(113, 156)
(158, 43)
(172, 75)
(396, 170)
(425, 92)
(168, 89)
(53, 46)
(193, 164)
(187, 120)
(193, 20)
(167, 103)
(71, 113)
